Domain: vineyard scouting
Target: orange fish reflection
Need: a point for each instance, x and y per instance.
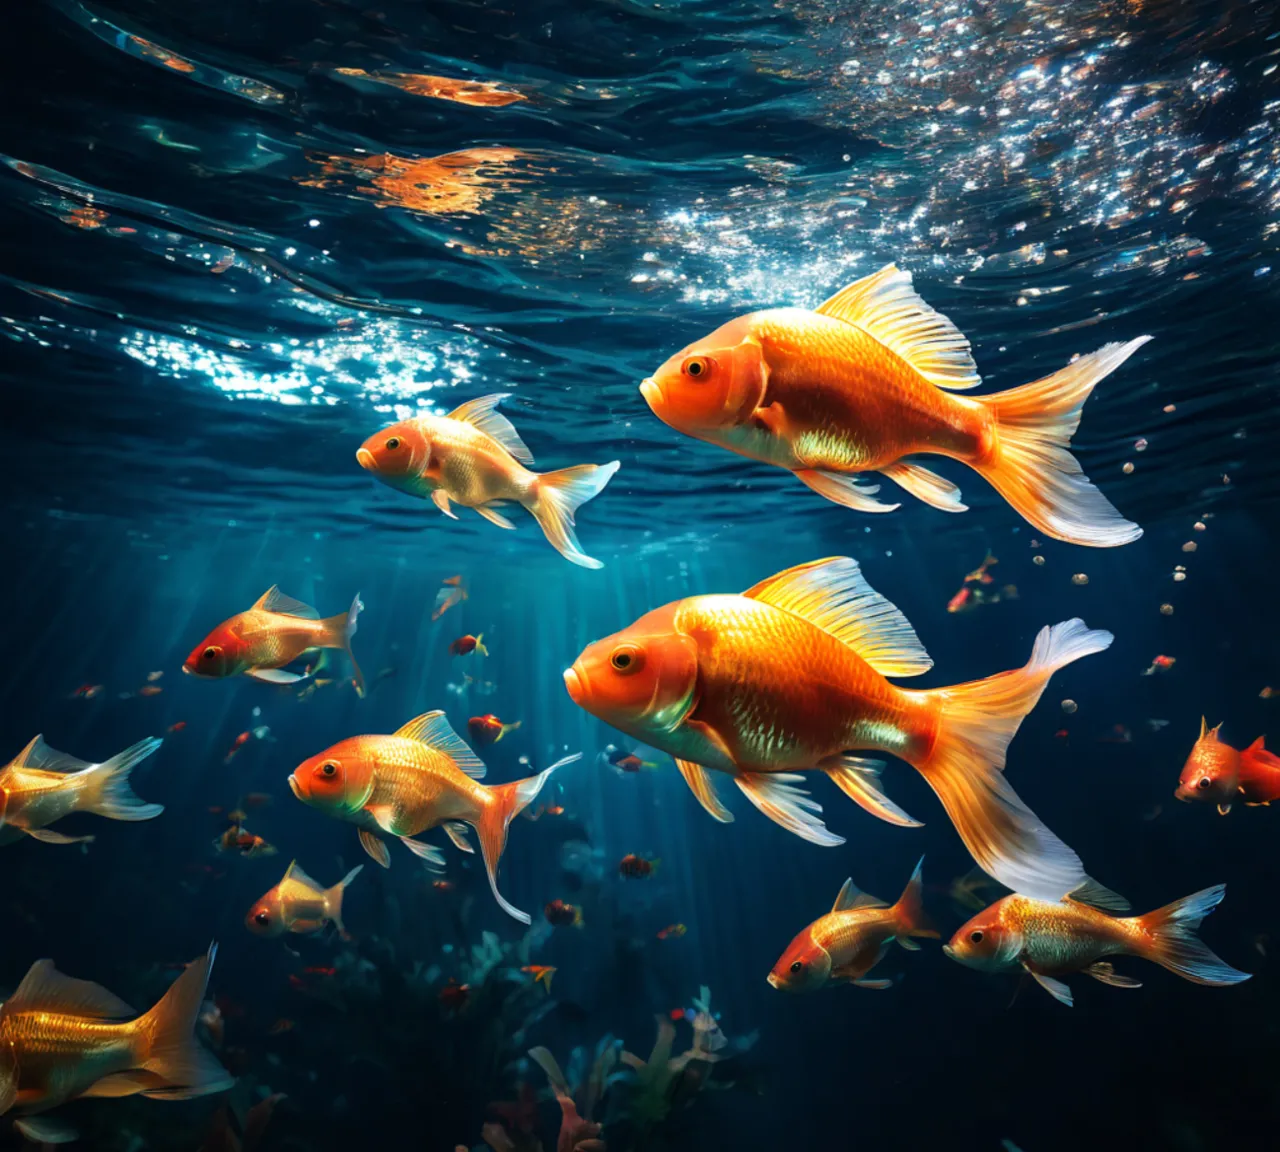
(477, 93)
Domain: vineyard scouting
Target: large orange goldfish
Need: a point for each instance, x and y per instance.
(299, 904)
(419, 778)
(41, 785)
(790, 675)
(851, 939)
(859, 384)
(62, 1038)
(1054, 939)
(276, 631)
(475, 457)
(1223, 775)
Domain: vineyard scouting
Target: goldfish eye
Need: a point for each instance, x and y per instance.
(975, 937)
(796, 966)
(627, 659)
(262, 918)
(210, 652)
(1204, 782)
(697, 367)
(328, 768)
(393, 443)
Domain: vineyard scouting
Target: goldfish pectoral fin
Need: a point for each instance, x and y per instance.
(936, 491)
(457, 832)
(495, 517)
(772, 418)
(429, 854)
(384, 815)
(440, 498)
(1223, 809)
(699, 781)
(274, 675)
(858, 779)
(48, 836)
(1056, 988)
(880, 984)
(909, 944)
(844, 490)
(375, 847)
(45, 1130)
(125, 1084)
(711, 736)
(775, 794)
(1108, 975)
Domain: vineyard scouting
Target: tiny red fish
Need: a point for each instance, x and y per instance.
(962, 601)
(453, 996)
(561, 914)
(86, 691)
(672, 932)
(465, 645)
(488, 729)
(1165, 661)
(633, 867)
(150, 690)
(313, 971)
(178, 727)
(442, 885)
(541, 974)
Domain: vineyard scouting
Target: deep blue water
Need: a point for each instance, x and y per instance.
(233, 253)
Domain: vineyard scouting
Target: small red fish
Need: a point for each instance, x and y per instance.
(981, 575)
(178, 727)
(150, 690)
(541, 974)
(488, 729)
(86, 691)
(465, 645)
(319, 971)
(1165, 661)
(561, 914)
(672, 932)
(633, 867)
(442, 885)
(453, 996)
(962, 601)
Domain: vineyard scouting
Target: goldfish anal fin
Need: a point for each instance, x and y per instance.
(375, 847)
(833, 595)
(39, 756)
(878, 984)
(433, 730)
(851, 896)
(125, 1084)
(273, 600)
(1104, 972)
(44, 988)
(457, 832)
(699, 780)
(776, 795)
(482, 414)
(1056, 988)
(858, 778)
(909, 944)
(936, 491)
(887, 307)
(49, 836)
(440, 498)
(843, 490)
(274, 675)
(42, 1130)
(428, 853)
(494, 517)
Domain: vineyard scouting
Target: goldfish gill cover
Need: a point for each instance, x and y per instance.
(245, 240)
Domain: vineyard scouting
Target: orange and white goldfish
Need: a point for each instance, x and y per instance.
(541, 974)
(62, 1038)
(298, 904)
(790, 675)
(41, 785)
(474, 457)
(851, 939)
(488, 729)
(1049, 940)
(865, 381)
(276, 631)
(1220, 774)
(419, 778)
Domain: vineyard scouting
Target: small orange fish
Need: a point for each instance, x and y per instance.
(981, 574)
(554, 810)
(474, 457)
(237, 839)
(541, 974)
(962, 601)
(561, 914)
(488, 729)
(625, 761)
(465, 645)
(442, 885)
(1049, 940)
(453, 996)
(1218, 773)
(276, 631)
(150, 690)
(633, 867)
(176, 727)
(865, 382)
(1266, 693)
(298, 904)
(1164, 661)
(87, 691)
(672, 932)
(453, 592)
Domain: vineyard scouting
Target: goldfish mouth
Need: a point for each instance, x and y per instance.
(575, 686)
(651, 392)
(293, 786)
(365, 459)
(773, 980)
(947, 950)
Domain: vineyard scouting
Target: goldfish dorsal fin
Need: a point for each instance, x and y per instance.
(1204, 727)
(38, 755)
(433, 730)
(273, 600)
(1258, 745)
(851, 896)
(833, 595)
(886, 306)
(298, 876)
(44, 988)
(482, 414)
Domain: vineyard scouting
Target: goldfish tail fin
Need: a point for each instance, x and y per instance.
(171, 1050)
(1172, 941)
(106, 790)
(480, 645)
(912, 920)
(556, 496)
(508, 801)
(333, 899)
(1030, 464)
(966, 764)
(1256, 758)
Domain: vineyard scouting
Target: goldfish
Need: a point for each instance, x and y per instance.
(488, 729)
(87, 692)
(851, 939)
(465, 645)
(419, 778)
(672, 932)
(1049, 940)
(1160, 664)
(790, 675)
(623, 761)
(240, 840)
(453, 591)
(150, 690)
(453, 996)
(1216, 772)
(62, 1038)
(443, 885)
(982, 574)
(633, 867)
(560, 914)
(474, 457)
(1267, 693)
(865, 381)
(541, 974)
(276, 631)
(42, 785)
(298, 904)
(962, 601)
(176, 727)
